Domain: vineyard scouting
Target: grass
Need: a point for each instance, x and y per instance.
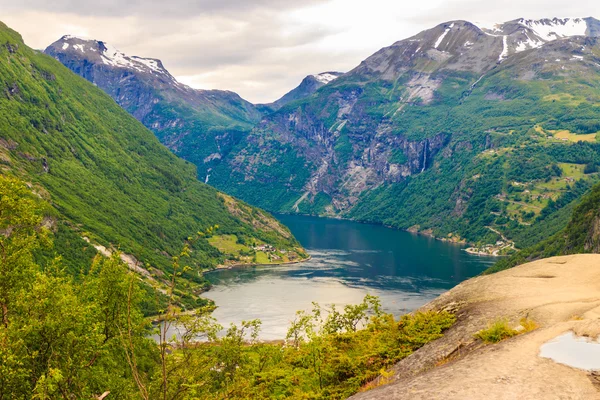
(227, 244)
(262, 258)
(573, 137)
(574, 171)
(565, 98)
(500, 330)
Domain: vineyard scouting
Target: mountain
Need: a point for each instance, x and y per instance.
(195, 124)
(464, 131)
(307, 87)
(461, 132)
(108, 178)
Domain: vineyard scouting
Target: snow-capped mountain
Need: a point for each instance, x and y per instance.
(326, 77)
(462, 45)
(524, 34)
(416, 115)
(95, 51)
(307, 87)
(180, 116)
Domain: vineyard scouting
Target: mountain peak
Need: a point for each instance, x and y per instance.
(98, 51)
(476, 47)
(309, 85)
(326, 77)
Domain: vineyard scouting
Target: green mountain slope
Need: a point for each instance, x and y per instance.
(106, 174)
(581, 235)
(195, 124)
(456, 132)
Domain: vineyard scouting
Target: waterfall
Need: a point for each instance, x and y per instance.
(425, 154)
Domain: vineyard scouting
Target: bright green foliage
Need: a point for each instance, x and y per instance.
(20, 235)
(59, 339)
(496, 332)
(78, 338)
(326, 355)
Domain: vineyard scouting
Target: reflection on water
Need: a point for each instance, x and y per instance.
(348, 261)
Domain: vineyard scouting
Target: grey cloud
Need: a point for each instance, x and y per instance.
(160, 8)
(247, 46)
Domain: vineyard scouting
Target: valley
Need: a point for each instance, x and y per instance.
(415, 227)
(456, 130)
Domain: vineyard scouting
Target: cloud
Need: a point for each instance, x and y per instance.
(258, 48)
(154, 8)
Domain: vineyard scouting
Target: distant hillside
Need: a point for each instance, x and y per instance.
(581, 235)
(106, 175)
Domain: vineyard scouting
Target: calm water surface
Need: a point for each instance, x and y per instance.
(348, 261)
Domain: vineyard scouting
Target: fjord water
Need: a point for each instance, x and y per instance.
(349, 260)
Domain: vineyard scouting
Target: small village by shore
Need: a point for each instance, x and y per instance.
(500, 248)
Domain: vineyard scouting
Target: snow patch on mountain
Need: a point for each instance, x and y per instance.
(504, 53)
(441, 38)
(528, 44)
(149, 62)
(325, 78)
(556, 28)
(113, 57)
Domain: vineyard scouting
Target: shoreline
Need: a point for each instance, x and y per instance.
(475, 252)
(240, 266)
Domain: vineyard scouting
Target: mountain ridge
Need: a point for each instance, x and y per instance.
(375, 143)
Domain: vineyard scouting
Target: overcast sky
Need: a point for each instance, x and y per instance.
(259, 48)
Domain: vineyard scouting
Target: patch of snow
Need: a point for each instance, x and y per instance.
(325, 78)
(65, 46)
(556, 28)
(578, 57)
(79, 47)
(528, 44)
(468, 44)
(148, 62)
(112, 56)
(558, 60)
(442, 36)
(504, 53)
